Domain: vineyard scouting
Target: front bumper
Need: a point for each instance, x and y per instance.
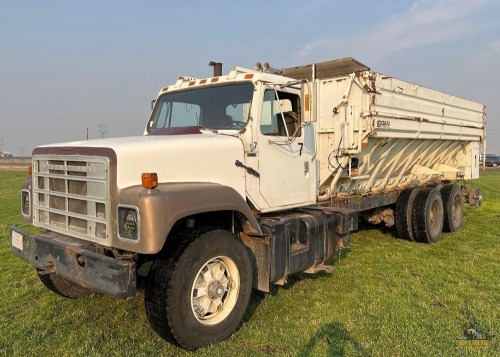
(75, 260)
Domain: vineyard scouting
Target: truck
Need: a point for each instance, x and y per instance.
(240, 181)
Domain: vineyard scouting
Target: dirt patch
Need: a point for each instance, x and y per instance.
(14, 168)
(15, 164)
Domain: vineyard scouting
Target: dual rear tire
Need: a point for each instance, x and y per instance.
(428, 215)
(453, 208)
(423, 213)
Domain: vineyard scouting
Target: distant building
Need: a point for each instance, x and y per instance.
(5, 154)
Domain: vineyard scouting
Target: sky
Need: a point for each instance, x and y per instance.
(68, 68)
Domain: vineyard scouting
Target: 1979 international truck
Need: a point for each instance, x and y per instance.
(241, 180)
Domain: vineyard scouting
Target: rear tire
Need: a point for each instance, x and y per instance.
(404, 210)
(453, 208)
(62, 286)
(428, 215)
(199, 295)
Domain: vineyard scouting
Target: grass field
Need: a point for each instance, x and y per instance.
(386, 297)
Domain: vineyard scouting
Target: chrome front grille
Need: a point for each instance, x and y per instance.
(71, 195)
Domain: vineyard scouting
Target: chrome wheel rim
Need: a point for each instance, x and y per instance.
(215, 290)
(434, 222)
(457, 207)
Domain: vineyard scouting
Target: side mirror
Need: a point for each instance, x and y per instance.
(307, 95)
(153, 103)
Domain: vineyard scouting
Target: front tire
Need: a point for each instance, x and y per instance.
(64, 287)
(199, 295)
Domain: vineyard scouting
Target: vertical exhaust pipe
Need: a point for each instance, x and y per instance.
(217, 68)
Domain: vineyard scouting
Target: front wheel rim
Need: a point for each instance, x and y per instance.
(215, 290)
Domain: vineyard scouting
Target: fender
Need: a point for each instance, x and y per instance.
(160, 208)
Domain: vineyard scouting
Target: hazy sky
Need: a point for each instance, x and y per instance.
(66, 66)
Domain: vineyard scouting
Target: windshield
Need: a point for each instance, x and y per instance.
(217, 107)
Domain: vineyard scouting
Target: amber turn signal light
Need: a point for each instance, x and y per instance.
(149, 180)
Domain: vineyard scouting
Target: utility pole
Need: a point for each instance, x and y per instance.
(103, 128)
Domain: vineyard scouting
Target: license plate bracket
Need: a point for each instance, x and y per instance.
(17, 240)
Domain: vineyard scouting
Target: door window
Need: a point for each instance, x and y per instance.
(280, 114)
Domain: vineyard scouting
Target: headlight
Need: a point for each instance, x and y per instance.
(128, 223)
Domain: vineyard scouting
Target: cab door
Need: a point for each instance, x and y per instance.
(286, 149)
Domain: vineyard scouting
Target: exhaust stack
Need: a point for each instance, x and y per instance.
(217, 68)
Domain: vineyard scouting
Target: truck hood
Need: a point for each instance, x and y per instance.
(178, 158)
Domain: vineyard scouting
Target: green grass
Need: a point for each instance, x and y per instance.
(386, 297)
